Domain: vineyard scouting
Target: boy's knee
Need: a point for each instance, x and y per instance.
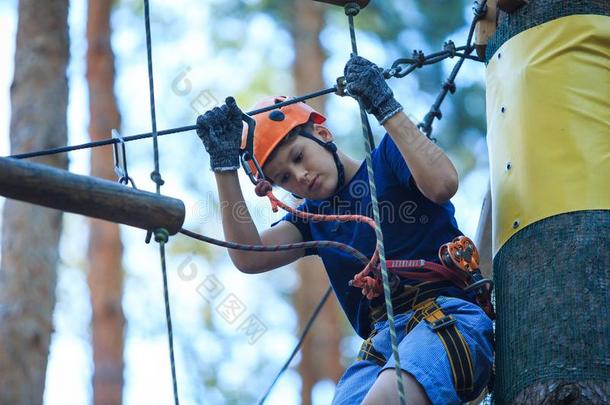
(385, 390)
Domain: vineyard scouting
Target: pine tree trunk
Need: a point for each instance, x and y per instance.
(321, 350)
(28, 271)
(105, 248)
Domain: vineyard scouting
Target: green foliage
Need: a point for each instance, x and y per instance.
(401, 27)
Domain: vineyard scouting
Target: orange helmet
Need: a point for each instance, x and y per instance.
(273, 126)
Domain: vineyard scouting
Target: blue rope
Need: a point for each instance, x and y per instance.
(161, 235)
(351, 11)
(155, 175)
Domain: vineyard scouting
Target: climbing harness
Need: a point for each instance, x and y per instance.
(456, 347)
(408, 297)
(459, 264)
(368, 353)
(460, 267)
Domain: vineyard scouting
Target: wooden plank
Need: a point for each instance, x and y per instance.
(98, 198)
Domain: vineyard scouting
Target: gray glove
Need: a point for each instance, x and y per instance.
(365, 82)
(220, 130)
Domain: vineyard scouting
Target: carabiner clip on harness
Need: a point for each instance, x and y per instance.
(462, 255)
(459, 265)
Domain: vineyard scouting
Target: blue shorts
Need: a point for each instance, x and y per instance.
(423, 355)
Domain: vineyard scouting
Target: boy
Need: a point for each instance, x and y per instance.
(414, 181)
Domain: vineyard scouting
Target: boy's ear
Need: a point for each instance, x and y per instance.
(323, 132)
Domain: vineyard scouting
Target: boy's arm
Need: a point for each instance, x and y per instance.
(220, 129)
(238, 227)
(433, 172)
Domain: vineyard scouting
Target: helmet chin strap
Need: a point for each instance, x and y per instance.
(332, 148)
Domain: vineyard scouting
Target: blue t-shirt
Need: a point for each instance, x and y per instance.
(413, 226)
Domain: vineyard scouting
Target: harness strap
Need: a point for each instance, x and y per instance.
(408, 298)
(458, 352)
(368, 352)
(459, 264)
(422, 268)
(468, 280)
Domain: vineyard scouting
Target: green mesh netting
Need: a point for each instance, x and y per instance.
(552, 296)
(538, 12)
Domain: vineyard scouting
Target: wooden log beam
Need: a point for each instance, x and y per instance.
(54, 188)
(342, 3)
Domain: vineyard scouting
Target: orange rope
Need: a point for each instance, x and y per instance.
(371, 286)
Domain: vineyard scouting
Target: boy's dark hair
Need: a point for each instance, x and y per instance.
(294, 132)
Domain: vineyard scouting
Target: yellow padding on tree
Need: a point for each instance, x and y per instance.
(548, 119)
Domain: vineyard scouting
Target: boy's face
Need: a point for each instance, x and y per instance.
(303, 167)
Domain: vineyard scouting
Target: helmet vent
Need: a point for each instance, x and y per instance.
(277, 115)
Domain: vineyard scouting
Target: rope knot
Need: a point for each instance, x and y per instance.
(352, 8)
(262, 188)
(479, 10)
(449, 86)
(449, 46)
(156, 177)
(419, 58)
(371, 287)
(161, 235)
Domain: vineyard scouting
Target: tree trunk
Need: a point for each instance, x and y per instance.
(547, 110)
(321, 352)
(28, 271)
(105, 248)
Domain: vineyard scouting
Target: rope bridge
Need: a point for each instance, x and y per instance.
(85, 195)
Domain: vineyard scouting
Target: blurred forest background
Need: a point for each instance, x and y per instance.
(97, 288)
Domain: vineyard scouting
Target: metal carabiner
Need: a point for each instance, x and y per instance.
(120, 160)
(247, 154)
